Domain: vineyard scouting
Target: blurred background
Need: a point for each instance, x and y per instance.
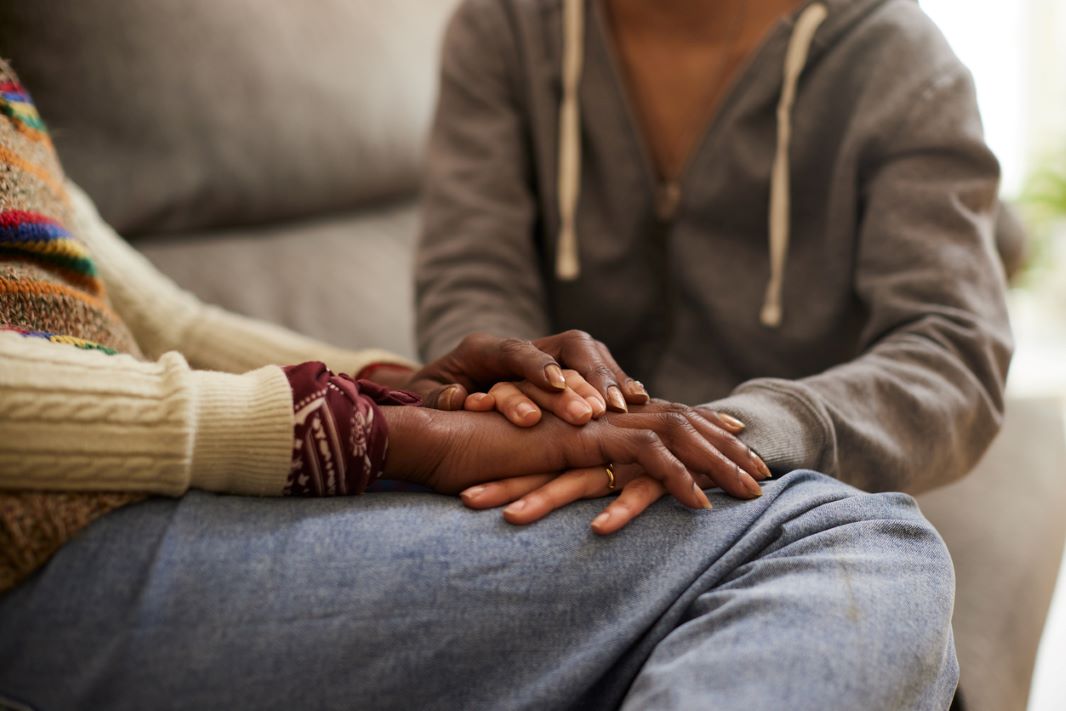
(299, 134)
(1017, 52)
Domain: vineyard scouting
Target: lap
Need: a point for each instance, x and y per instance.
(388, 599)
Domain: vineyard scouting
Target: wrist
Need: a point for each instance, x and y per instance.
(417, 443)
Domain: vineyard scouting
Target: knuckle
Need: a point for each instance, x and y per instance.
(513, 346)
(474, 341)
(647, 438)
(674, 420)
(641, 486)
(502, 389)
(603, 372)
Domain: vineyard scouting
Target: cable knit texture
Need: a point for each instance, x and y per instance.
(49, 291)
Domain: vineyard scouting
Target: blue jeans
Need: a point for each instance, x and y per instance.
(816, 596)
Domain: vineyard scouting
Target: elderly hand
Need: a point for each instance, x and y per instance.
(730, 465)
(451, 451)
(569, 374)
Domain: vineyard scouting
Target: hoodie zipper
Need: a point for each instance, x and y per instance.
(666, 194)
(667, 200)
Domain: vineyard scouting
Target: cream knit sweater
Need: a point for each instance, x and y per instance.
(80, 420)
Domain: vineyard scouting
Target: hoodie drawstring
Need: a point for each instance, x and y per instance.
(567, 263)
(780, 190)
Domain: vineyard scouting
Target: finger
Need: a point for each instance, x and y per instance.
(445, 397)
(582, 387)
(580, 351)
(692, 447)
(727, 443)
(636, 496)
(571, 486)
(568, 405)
(632, 390)
(479, 402)
(515, 405)
(722, 433)
(704, 482)
(725, 460)
(724, 420)
(497, 493)
(644, 446)
(519, 359)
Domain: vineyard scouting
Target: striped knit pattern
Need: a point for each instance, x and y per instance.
(58, 338)
(49, 289)
(16, 105)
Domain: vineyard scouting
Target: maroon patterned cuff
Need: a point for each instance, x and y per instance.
(340, 438)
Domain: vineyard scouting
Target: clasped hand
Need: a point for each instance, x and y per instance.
(571, 413)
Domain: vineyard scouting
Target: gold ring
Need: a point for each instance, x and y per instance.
(610, 477)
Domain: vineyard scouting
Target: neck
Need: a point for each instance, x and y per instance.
(713, 21)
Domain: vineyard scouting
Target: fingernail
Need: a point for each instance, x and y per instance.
(637, 388)
(473, 492)
(704, 501)
(516, 507)
(732, 421)
(598, 406)
(752, 486)
(602, 519)
(579, 409)
(447, 398)
(615, 399)
(555, 376)
(524, 410)
(763, 469)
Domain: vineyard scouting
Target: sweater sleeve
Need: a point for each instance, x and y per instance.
(925, 398)
(163, 317)
(477, 268)
(82, 420)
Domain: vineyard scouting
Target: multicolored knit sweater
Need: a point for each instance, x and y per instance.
(98, 403)
(49, 289)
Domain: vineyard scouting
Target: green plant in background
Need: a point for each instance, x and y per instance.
(1043, 209)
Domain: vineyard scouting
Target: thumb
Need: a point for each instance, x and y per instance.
(441, 397)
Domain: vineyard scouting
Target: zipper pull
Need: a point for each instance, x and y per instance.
(667, 200)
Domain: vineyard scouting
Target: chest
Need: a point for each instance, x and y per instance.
(674, 91)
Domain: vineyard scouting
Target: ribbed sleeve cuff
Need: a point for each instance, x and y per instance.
(243, 441)
(779, 426)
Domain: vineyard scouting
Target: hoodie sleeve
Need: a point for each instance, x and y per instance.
(477, 267)
(925, 398)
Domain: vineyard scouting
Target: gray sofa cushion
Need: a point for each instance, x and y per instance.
(200, 113)
(345, 279)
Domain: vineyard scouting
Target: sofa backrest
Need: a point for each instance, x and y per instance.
(203, 113)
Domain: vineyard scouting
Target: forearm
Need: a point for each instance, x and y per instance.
(76, 420)
(477, 265)
(907, 417)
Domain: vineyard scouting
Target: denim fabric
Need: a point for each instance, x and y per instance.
(815, 596)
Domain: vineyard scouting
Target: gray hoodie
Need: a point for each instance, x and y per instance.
(825, 269)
